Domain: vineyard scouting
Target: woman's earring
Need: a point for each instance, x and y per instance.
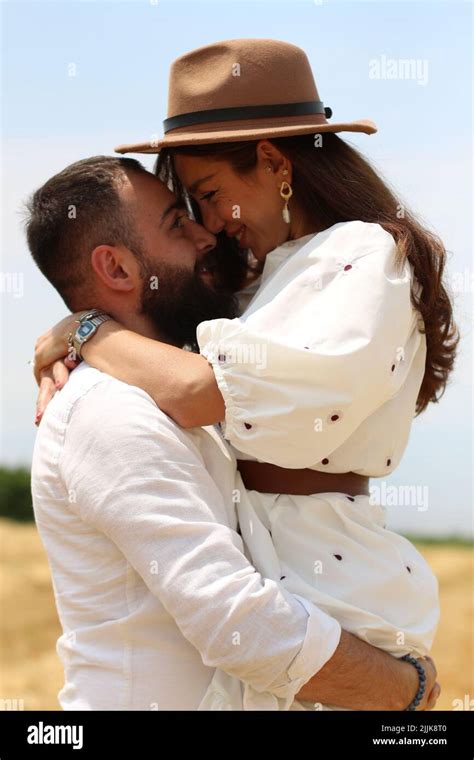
(286, 192)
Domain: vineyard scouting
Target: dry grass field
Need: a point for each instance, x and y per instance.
(31, 671)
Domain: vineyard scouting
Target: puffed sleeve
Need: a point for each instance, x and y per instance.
(329, 338)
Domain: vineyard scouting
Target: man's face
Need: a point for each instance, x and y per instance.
(168, 235)
(177, 290)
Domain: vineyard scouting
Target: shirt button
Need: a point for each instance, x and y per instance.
(325, 461)
(347, 267)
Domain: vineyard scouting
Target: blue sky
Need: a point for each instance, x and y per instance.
(120, 53)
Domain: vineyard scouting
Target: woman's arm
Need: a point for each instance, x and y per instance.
(180, 382)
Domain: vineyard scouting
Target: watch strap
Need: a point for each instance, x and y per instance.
(97, 318)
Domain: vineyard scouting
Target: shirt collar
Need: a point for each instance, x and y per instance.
(282, 252)
(272, 262)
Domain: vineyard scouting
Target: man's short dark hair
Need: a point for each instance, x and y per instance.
(72, 213)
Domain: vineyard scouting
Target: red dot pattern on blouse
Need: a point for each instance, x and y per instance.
(333, 417)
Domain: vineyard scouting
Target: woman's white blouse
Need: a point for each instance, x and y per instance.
(324, 367)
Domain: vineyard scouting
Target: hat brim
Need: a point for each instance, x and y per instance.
(194, 136)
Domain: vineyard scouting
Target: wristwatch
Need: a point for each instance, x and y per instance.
(88, 324)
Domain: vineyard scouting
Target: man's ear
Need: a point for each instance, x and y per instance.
(115, 266)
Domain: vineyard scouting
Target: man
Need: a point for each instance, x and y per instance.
(152, 583)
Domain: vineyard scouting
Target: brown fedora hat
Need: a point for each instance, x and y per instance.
(243, 90)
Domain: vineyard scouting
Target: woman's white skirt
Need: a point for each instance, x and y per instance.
(335, 551)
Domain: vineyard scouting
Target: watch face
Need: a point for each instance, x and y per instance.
(85, 329)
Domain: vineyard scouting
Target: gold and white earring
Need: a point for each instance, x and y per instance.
(286, 192)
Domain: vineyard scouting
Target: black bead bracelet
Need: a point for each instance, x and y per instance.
(422, 681)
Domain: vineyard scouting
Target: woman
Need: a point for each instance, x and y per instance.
(349, 334)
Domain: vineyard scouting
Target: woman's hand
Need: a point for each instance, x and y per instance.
(53, 363)
(52, 379)
(53, 344)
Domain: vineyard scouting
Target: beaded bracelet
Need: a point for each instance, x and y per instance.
(422, 681)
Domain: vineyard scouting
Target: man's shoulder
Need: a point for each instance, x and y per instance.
(100, 412)
(101, 401)
(88, 381)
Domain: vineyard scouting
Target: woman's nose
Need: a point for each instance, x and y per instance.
(202, 238)
(212, 222)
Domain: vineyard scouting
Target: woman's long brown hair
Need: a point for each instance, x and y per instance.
(335, 183)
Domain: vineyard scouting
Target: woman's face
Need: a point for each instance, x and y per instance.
(249, 206)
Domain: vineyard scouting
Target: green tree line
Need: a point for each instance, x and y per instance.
(15, 503)
(15, 494)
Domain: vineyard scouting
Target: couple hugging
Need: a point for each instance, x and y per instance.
(212, 538)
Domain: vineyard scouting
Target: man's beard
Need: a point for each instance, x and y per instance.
(176, 300)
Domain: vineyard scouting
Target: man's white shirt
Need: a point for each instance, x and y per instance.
(152, 584)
